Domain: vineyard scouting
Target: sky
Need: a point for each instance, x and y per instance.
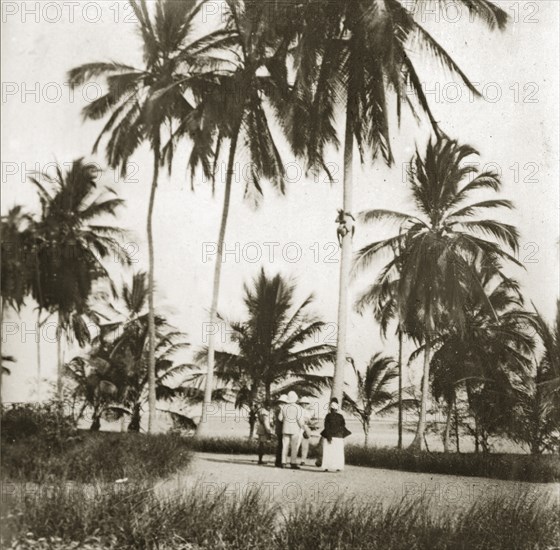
(514, 127)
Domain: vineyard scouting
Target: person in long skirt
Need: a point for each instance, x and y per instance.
(333, 436)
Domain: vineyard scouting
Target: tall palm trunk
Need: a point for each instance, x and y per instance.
(419, 442)
(38, 342)
(135, 418)
(151, 311)
(400, 422)
(203, 424)
(366, 433)
(456, 412)
(346, 250)
(1, 338)
(59, 333)
(447, 433)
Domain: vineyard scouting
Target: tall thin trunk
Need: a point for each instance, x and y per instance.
(447, 428)
(151, 311)
(252, 422)
(476, 441)
(419, 441)
(203, 424)
(366, 433)
(346, 250)
(59, 333)
(2, 302)
(135, 419)
(400, 427)
(267, 395)
(38, 342)
(475, 431)
(457, 427)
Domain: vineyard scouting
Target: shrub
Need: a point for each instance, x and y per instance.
(95, 456)
(518, 467)
(44, 420)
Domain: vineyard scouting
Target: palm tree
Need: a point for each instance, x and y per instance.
(120, 356)
(16, 231)
(440, 247)
(492, 352)
(382, 297)
(69, 247)
(141, 103)
(550, 337)
(276, 346)
(374, 395)
(233, 92)
(360, 56)
(93, 386)
(536, 406)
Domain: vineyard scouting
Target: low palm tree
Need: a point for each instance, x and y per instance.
(440, 246)
(536, 408)
(122, 349)
(69, 246)
(277, 349)
(382, 297)
(93, 387)
(550, 338)
(375, 396)
(492, 353)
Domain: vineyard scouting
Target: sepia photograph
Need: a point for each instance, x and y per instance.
(280, 275)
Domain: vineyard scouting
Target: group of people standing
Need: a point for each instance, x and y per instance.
(294, 423)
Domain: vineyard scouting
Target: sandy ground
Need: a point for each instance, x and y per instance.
(237, 474)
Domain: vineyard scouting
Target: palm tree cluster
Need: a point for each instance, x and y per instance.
(112, 379)
(447, 290)
(56, 256)
(267, 60)
(290, 71)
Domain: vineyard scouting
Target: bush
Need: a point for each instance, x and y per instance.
(135, 517)
(230, 445)
(517, 467)
(95, 457)
(43, 420)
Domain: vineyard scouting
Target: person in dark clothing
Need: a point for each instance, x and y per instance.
(282, 400)
(333, 436)
(264, 429)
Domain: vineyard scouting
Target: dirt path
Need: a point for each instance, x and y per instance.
(239, 473)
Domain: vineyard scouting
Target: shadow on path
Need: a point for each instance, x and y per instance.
(249, 462)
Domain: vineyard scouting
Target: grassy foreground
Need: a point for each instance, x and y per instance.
(133, 517)
(515, 467)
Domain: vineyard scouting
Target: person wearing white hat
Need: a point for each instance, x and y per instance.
(280, 402)
(311, 424)
(293, 423)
